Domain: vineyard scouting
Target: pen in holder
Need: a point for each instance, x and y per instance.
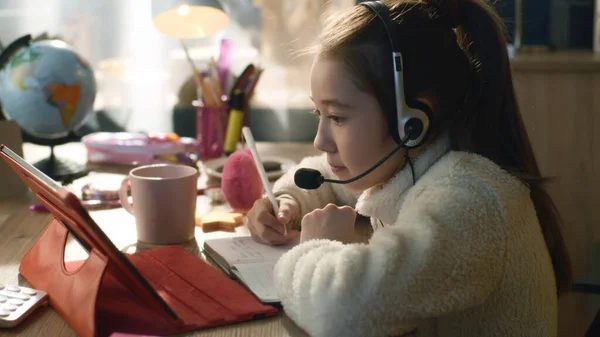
(235, 122)
(210, 129)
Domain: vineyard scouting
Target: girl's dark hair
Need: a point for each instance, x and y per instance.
(461, 58)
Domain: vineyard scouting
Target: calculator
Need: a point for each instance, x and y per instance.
(18, 302)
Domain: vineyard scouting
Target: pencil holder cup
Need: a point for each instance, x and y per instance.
(211, 122)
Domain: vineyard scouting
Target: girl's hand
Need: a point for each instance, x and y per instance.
(264, 227)
(331, 222)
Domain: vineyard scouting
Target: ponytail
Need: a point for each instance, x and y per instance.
(494, 114)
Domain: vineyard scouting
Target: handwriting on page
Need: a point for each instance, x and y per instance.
(245, 250)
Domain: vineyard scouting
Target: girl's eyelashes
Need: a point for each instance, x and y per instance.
(334, 118)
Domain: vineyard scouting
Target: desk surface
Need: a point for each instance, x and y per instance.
(19, 228)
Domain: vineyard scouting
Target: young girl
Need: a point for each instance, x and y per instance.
(466, 242)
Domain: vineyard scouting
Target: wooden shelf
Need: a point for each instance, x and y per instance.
(556, 61)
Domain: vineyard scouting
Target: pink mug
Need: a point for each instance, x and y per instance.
(164, 202)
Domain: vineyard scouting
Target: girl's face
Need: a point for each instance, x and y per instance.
(353, 130)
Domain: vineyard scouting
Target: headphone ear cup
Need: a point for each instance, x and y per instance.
(417, 124)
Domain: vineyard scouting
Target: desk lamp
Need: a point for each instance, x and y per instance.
(190, 19)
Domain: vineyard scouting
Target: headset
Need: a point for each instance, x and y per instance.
(412, 124)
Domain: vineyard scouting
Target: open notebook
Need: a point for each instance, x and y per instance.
(252, 263)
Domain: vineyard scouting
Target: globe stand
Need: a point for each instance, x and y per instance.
(59, 169)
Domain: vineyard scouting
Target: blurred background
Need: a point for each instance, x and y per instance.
(145, 83)
(133, 61)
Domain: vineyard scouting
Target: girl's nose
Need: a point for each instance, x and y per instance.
(323, 140)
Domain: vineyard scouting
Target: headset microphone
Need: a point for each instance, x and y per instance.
(310, 179)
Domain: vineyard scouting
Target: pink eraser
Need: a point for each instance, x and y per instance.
(240, 181)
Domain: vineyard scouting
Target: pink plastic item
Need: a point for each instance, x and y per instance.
(241, 182)
(127, 148)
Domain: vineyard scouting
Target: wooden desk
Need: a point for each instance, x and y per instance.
(19, 228)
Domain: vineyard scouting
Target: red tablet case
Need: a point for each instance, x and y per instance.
(158, 292)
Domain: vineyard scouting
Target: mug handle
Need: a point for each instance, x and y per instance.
(123, 195)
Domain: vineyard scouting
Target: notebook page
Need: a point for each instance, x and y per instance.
(239, 250)
(258, 277)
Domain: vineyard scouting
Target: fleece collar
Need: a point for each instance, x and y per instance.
(383, 202)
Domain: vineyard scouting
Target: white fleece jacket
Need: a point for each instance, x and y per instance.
(461, 253)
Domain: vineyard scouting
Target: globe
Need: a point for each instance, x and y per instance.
(47, 89)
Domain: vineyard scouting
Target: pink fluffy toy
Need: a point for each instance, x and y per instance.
(240, 181)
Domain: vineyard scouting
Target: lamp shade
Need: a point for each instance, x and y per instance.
(190, 19)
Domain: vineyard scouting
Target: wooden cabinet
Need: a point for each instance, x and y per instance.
(559, 97)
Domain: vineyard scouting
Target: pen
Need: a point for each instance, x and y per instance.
(261, 171)
(235, 123)
(224, 64)
(242, 79)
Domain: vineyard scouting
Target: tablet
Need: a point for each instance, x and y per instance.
(67, 208)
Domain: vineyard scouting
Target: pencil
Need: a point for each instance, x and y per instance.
(261, 171)
(195, 73)
(214, 72)
(208, 92)
(212, 101)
